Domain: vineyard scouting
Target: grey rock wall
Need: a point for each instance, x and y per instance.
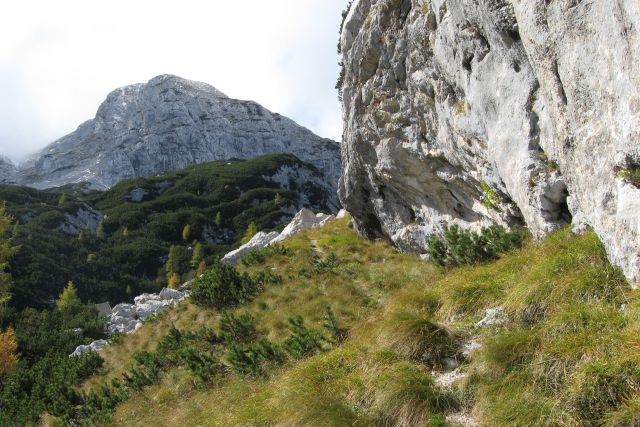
(493, 111)
(7, 171)
(167, 124)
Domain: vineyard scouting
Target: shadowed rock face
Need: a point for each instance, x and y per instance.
(167, 124)
(493, 111)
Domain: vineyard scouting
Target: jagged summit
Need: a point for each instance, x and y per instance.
(167, 124)
(127, 96)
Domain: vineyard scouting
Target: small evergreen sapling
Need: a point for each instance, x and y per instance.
(336, 334)
(198, 255)
(202, 267)
(68, 299)
(186, 232)
(174, 281)
(251, 231)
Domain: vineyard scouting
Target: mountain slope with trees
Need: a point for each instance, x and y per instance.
(134, 237)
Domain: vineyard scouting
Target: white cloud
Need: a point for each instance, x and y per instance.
(58, 60)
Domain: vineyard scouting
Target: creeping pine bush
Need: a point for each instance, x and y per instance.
(254, 359)
(240, 329)
(302, 341)
(258, 256)
(330, 324)
(196, 351)
(460, 247)
(321, 266)
(249, 358)
(223, 286)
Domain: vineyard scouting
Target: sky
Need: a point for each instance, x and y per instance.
(59, 59)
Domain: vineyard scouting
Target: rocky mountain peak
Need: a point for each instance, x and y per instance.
(167, 124)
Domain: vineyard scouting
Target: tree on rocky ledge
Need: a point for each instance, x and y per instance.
(251, 231)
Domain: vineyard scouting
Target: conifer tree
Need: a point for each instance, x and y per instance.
(278, 199)
(218, 220)
(174, 281)
(68, 298)
(85, 234)
(7, 250)
(201, 268)
(62, 200)
(198, 255)
(251, 231)
(100, 230)
(174, 261)
(8, 353)
(125, 232)
(186, 232)
(16, 230)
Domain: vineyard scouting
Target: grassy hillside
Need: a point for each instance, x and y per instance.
(568, 353)
(116, 265)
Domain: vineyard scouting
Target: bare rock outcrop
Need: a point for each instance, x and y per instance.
(304, 220)
(474, 112)
(127, 318)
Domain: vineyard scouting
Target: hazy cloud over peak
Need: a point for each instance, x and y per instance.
(59, 60)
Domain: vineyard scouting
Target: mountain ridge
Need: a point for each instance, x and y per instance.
(168, 124)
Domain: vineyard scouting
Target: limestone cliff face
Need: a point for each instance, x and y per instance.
(167, 124)
(7, 171)
(493, 111)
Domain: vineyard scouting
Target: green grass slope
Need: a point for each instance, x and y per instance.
(568, 353)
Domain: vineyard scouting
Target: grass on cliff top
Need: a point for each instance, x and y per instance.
(568, 354)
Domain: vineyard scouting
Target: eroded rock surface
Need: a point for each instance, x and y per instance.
(493, 111)
(168, 124)
(127, 318)
(303, 220)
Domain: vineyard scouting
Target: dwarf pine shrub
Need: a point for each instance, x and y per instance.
(336, 334)
(258, 256)
(302, 341)
(460, 247)
(240, 329)
(253, 360)
(223, 286)
(321, 266)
